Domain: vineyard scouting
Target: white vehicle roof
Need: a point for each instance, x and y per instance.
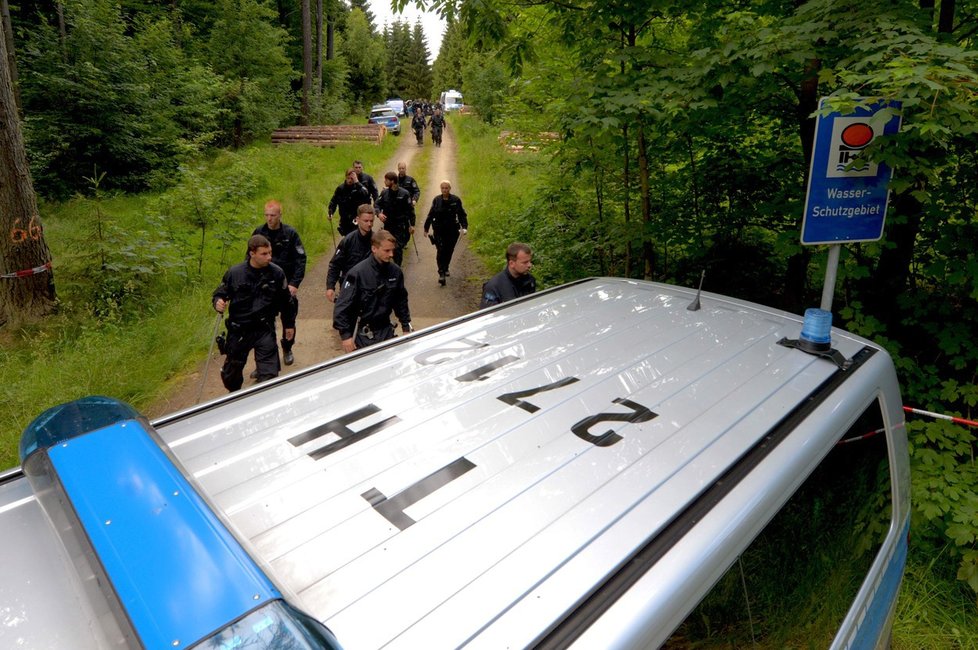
(482, 481)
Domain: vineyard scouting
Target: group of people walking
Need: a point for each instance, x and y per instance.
(436, 122)
(365, 280)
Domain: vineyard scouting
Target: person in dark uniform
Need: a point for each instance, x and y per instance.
(408, 183)
(396, 212)
(366, 179)
(349, 196)
(257, 292)
(371, 291)
(352, 249)
(437, 124)
(514, 281)
(290, 256)
(418, 124)
(447, 218)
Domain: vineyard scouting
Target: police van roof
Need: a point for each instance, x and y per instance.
(484, 476)
(485, 481)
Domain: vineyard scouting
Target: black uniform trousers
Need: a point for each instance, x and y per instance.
(291, 309)
(241, 340)
(445, 245)
(402, 237)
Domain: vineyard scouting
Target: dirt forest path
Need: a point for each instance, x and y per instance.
(316, 340)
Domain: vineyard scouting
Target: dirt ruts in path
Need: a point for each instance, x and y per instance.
(316, 340)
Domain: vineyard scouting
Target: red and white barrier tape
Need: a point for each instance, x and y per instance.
(862, 437)
(27, 272)
(915, 411)
(941, 416)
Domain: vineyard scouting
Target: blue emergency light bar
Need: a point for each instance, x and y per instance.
(176, 572)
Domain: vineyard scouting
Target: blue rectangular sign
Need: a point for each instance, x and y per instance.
(847, 196)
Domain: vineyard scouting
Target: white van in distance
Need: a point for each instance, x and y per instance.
(451, 100)
(607, 464)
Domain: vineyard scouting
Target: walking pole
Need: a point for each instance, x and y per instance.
(332, 232)
(203, 380)
(416, 247)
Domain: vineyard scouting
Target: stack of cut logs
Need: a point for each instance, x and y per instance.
(330, 135)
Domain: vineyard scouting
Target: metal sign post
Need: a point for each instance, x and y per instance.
(831, 273)
(847, 193)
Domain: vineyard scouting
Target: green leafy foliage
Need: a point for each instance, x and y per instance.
(365, 57)
(407, 67)
(212, 201)
(247, 50)
(681, 144)
(123, 266)
(486, 85)
(447, 68)
(109, 94)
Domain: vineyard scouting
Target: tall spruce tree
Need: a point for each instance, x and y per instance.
(247, 49)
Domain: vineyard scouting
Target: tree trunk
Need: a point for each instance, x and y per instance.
(319, 48)
(306, 61)
(8, 39)
(893, 268)
(26, 279)
(598, 176)
(648, 251)
(330, 38)
(694, 185)
(643, 176)
(626, 174)
(796, 272)
(62, 29)
(945, 20)
(626, 180)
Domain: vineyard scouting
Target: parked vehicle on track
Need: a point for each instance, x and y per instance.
(385, 115)
(574, 468)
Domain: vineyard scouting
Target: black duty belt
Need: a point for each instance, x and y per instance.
(369, 331)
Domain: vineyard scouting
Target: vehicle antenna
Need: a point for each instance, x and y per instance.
(695, 305)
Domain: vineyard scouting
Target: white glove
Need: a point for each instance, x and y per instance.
(464, 231)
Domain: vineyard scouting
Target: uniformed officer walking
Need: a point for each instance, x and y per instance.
(289, 254)
(514, 281)
(366, 179)
(348, 196)
(437, 123)
(447, 218)
(408, 183)
(371, 291)
(352, 249)
(396, 212)
(257, 292)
